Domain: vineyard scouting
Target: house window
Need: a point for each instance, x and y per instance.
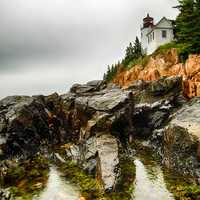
(153, 35)
(164, 34)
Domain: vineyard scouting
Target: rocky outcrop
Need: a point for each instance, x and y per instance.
(28, 122)
(93, 125)
(162, 65)
(182, 140)
(99, 156)
(84, 117)
(5, 194)
(108, 160)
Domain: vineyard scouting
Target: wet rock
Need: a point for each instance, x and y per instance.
(68, 100)
(26, 122)
(108, 101)
(3, 123)
(156, 120)
(182, 139)
(165, 85)
(12, 105)
(74, 153)
(108, 160)
(88, 87)
(138, 85)
(5, 194)
(98, 155)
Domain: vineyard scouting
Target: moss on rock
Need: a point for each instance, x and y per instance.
(27, 178)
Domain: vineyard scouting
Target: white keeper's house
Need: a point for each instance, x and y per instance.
(154, 35)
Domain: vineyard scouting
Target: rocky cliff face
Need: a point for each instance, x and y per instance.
(167, 64)
(94, 123)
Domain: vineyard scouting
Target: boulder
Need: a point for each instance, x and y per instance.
(88, 87)
(12, 105)
(182, 140)
(27, 122)
(5, 194)
(98, 154)
(108, 101)
(108, 160)
(165, 85)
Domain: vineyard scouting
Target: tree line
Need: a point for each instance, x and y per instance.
(187, 27)
(133, 52)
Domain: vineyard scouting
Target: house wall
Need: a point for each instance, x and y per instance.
(155, 39)
(158, 39)
(144, 39)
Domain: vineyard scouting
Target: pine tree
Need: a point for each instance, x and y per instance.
(130, 52)
(133, 52)
(137, 48)
(185, 21)
(196, 34)
(188, 26)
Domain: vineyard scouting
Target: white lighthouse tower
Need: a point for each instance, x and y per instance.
(148, 23)
(155, 35)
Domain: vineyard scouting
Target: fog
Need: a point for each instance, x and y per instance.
(47, 45)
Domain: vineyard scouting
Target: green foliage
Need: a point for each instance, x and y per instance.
(137, 48)
(89, 186)
(187, 27)
(163, 48)
(142, 61)
(181, 188)
(132, 52)
(111, 72)
(182, 48)
(26, 179)
(132, 55)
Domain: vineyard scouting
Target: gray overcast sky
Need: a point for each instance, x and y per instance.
(47, 45)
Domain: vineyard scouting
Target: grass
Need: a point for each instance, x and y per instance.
(142, 61)
(26, 178)
(89, 186)
(182, 49)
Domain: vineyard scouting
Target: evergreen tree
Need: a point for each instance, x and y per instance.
(137, 48)
(130, 52)
(133, 52)
(185, 21)
(188, 26)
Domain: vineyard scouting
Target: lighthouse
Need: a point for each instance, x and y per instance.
(154, 35)
(148, 23)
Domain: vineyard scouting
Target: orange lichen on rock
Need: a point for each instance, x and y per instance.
(161, 65)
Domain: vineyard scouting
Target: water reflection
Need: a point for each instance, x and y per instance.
(150, 186)
(58, 189)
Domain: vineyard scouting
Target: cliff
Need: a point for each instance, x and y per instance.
(94, 132)
(165, 65)
(91, 126)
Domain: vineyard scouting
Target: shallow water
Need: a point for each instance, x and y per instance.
(150, 185)
(58, 189)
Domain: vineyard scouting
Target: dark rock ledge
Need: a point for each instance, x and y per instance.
(95, 122)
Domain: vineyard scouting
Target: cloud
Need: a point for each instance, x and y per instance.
(77, 36)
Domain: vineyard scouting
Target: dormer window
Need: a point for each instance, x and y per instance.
(164, 34)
